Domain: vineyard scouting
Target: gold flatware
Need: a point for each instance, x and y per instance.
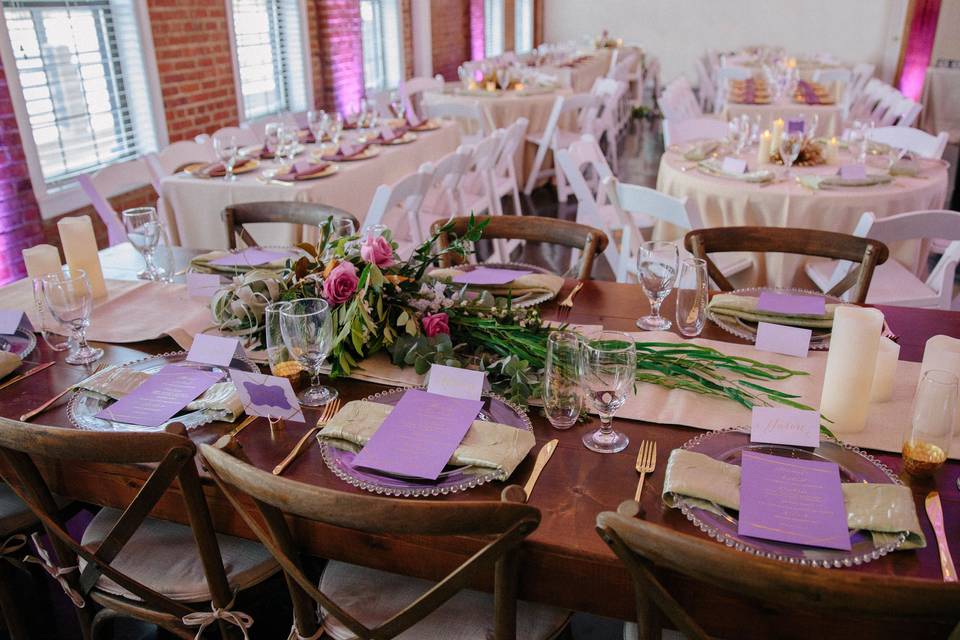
(543, 457)
(329, 411)
(646, 463)
(243, 425)
(566, 306)
(46, 405)
(935, 513)
(26, 374)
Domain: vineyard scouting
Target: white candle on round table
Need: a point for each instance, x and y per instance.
(80, 249)
(763, 152)
(41, 260)
(854, 341)
(833, 150)
(777, 134)
(888, 353)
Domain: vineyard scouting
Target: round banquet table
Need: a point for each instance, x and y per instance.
(728, 202)
(830, 121)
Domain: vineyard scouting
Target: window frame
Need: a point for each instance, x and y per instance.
(70, 197)
(305, 49)
(502, 27)
(401, 57)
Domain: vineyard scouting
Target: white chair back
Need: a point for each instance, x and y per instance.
(401, 202)
(381, 102)
(174, 157)
(903, 113)
(244, 137)
(586, 107)
(411, 90)
(678, 100)
(707, 92)
(914, 140)
(705, 128)
(445, 195)
(473, 119)
(862, 73)
(624, 68)
(888, 98)
(111, 181)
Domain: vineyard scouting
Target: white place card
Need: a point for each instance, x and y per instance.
(11, 320)
(734, 166)
(215, 350)
(784, 425)
(267, 396)
(455, 382)
(853, 172)
(778, 338)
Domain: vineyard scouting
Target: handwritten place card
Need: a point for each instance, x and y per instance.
(216, 350)
(778, 338)
(419, 436)
(267, 396)
(783, 425)
(455, 382)
(202, 285)
(734, 166)
(13, 319)
(789, 500)
(161, 397)
(853, 172)
(791, 305)
(489, 276)
(251, 257)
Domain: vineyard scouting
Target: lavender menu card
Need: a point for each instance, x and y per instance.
(489, 276)
(251, 257)
(790, 500)
(791, 304)
(162, 396)
(419, 436)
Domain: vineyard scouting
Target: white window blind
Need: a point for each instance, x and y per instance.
(382, 44)
(81, 71)
(492, 27)
(270, 58)
(523, 26)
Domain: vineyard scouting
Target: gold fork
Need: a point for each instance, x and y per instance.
(566, 306)
(46, 405)
(646, 463)
(329, 411)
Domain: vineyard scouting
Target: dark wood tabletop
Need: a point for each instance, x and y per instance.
(564, 562)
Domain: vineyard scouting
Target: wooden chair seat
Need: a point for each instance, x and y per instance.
(373, 596)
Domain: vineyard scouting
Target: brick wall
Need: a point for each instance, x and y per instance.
(407, 16)
(316, 51)
(340, 43)
(450, 35)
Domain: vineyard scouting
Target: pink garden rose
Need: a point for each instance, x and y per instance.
(377, 249)
(435, 324)
(341, 283)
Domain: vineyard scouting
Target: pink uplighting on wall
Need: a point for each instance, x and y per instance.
(477, 50)
(919, 45)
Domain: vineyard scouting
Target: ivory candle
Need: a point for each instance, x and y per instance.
(763, 152)
(41, 260)
(777, 134)
(833, 150)
(80, 250)
(851, 361)
(888, 353)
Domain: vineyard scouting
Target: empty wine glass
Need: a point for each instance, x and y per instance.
(227, 150)
(68, 296)
(54, 332)
(657, 270)
(790, 144)
(339, 228)
(335, 128)
(560, 391)
(608, 368)
(307, 329)
(316, 122)
(144, 232)
(271, 138)
(692, 296)
(289, 140)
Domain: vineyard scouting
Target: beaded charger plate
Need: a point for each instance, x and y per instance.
(526, 299)
(21, 343)
(820, 338)
(451, 480)
(855, 465)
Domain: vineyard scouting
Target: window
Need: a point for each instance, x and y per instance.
(492, 27)
(86, 100)
(523, 26)
(382, 44)
(269, 50)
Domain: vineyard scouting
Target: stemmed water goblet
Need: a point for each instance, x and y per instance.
(69, 298)
(790, 145)
(228, 151)
(317, 123)
(144, 232)
(307, 329)
(335, 128)
(657, 264)
(608, 368)
(289, 140)
(271, 138)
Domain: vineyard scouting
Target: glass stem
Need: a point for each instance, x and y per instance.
(315, 377)
(655, 307)
(148, 260)
(80, 335)
(606, 423)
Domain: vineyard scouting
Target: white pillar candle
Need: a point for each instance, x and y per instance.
(854, 342)
(41, 260)
(763, 150)
(888, 353)
(80, 249)
(833, 150)
(777, 134)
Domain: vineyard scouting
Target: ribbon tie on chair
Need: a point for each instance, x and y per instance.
(205, 619)
(57, 573)
(295, 635)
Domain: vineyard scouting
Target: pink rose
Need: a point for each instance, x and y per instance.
(377, 249)
(341, 283)
(436, 323)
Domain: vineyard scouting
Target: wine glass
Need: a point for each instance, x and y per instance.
(307, 329)
(144, 232)
(70, 300)
(657, 269)
(335, 128)
(735, 134)
(289, 139)
(692, 296)
(316, 122)
(790, 144)
(608, 368)
(397, 106)
(339, 228)
(560, 391)
(928, 439)
(228, 151)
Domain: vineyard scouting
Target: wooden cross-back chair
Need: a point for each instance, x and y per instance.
(589, 240)
(648, 549)
(508, 522)
(174, 455)
(310, 214)
(864, 252)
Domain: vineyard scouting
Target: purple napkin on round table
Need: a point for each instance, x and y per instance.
(345, 151)
(302, 170)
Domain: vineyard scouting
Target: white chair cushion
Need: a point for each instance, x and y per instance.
(163, 555)
(14, 515)
(373, 596)
(820, 272)
(894, 284)
(732, 262)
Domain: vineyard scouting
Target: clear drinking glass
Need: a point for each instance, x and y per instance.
(227, 150)
(70, 300)
(608, 368)
(692, 296)
(339, 228)
(55, 333)
(145, 233)
(316, 122)
(278, 356)
(790, 144)
(271, 137)
(657, 270)
(560, 391)
(335, 128)
(307, 329)
(926, 444)
(289, 140)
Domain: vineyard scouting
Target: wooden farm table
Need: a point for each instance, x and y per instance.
(564, 561)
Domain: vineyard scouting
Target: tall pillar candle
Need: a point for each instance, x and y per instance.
(888, 353)
(41, 260)
(80, 249)
(851, 361)
(763, 149)
(777, 134)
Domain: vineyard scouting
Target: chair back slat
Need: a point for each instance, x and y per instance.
(301, 214)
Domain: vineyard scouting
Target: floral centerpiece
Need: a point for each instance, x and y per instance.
(381, 303)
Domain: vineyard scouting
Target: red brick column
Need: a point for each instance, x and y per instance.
(450, 35)
(341, 43)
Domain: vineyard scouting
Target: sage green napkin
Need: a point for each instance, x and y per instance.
(202, 263)
(8, 363)
(745, 308)
(488, 445)
(534, 283)
(714, 166)
(701, 150)
(885, 510)
(907, 168)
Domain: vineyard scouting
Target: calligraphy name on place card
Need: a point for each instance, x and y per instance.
(778, 338)
(162, 396)
(791, 304)
(783, 425)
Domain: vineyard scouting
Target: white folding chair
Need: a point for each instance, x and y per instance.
(704, 128)
(505, 180)
(381, 102)
(903, 113)
(113, 180)
(725, 75)
(889, 97)
(611, 93)
(584, 107)
(707, 91)
(914, 140)
(828, 76)
(473, 119)
(444, 199)
(892, 282)
(398, 207)
(479, 192)
(411, 92)
(679, 212)
(861, 75)
(245, 137)
(678, 100)
(168, 161)
(258, 126)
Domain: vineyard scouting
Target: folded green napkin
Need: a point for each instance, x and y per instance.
(885, 510)
(534, 283)
(701, 151)
(745, 308)
(488, 445)
(8, 363)
(906, 168)
(202, 263)
(714, 166)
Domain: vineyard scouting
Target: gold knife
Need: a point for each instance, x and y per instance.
(935, 513)
(27, 374)
(543, 457)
